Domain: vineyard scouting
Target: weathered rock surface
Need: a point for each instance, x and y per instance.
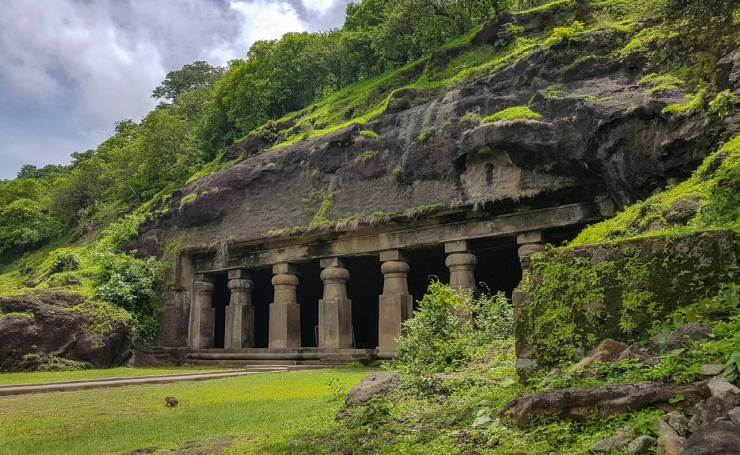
(600, 138)
(580, 403)
(606, 351)
(46, 327)
(681, 337)
(371, 386)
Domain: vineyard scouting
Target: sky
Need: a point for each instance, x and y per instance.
(70, 69)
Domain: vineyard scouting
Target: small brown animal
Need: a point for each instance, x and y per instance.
(171, 402)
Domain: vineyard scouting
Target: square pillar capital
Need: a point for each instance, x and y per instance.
(285, 268)
(457, 246)
(202, 277)
(238, 274)
(392, 255)
(331, 262)
(529, 237)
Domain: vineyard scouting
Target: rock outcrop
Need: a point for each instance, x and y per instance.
(44, 329)
(607, 400)
(601, 136)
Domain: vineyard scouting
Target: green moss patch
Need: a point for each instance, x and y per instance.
(513, 113)
(575, 297)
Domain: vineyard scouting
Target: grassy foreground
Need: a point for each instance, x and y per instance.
(84, 375)
(240, 415)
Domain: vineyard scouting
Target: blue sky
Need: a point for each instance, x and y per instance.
(69, 69)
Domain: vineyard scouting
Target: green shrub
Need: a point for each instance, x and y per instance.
(513, 113)
(24, 224)
(368, 134)
(443, 336)
(508, 35)
(123, 231)
(723, 104)
(470, 119)
(64, 261)
(426, 134)
(130, 283)
(565, 35)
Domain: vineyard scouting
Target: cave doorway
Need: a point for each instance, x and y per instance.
(498, 268)
(310, 291)
(221, 296)
(262, 296)
(425, 265)
(364, 287)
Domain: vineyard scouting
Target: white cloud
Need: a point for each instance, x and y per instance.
(70, 68)
(319, 6)
(260, 20)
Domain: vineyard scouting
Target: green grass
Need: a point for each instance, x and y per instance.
(257, 410)
(513, 113)
(78, 375)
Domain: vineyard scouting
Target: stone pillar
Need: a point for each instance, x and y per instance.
(526, 358)
(335, 309)
(202, 315)
(285, 314)
(396, 304)
(529, 243)
(461, 263)
(239, 332)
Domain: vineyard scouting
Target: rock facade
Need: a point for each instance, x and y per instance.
(41, 329)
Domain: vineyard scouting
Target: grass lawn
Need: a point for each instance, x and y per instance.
(248, 414)
(62, 376)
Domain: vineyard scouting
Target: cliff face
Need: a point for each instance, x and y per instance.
(601, 135)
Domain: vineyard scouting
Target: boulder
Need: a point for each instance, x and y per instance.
(720, 437)
(607, 351)
(45, 327)
(372, 385)
(608, 400)
(618, 442)
(681, 337)
(640, 444)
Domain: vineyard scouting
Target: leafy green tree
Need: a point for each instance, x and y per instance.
(193, 76)
(25, 223)
(29, 171)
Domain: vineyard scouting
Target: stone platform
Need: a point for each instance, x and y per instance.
(309, 357)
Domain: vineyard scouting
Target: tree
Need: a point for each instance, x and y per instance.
(29, 171)
(193, 76)
(25, 223)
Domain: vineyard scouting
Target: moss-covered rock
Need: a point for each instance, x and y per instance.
(572, 298)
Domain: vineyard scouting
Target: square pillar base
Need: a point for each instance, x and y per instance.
(335, 323)
(285, 326)
(239, 332)
(393, 310)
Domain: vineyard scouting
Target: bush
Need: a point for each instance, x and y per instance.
(130, 283)
(24, 224)
(64, 261)
(443, 337)
(565, 35)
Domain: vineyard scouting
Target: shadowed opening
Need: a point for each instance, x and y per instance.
(309, 292)
(262, 296)
(221, 296)
(498, 268)
(363, 288)
(426, 265)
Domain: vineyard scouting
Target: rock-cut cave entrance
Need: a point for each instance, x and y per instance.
(363, 288)
(262, 296)
(426, 265)
(221, 296)
(498, 268)
(310, 291)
